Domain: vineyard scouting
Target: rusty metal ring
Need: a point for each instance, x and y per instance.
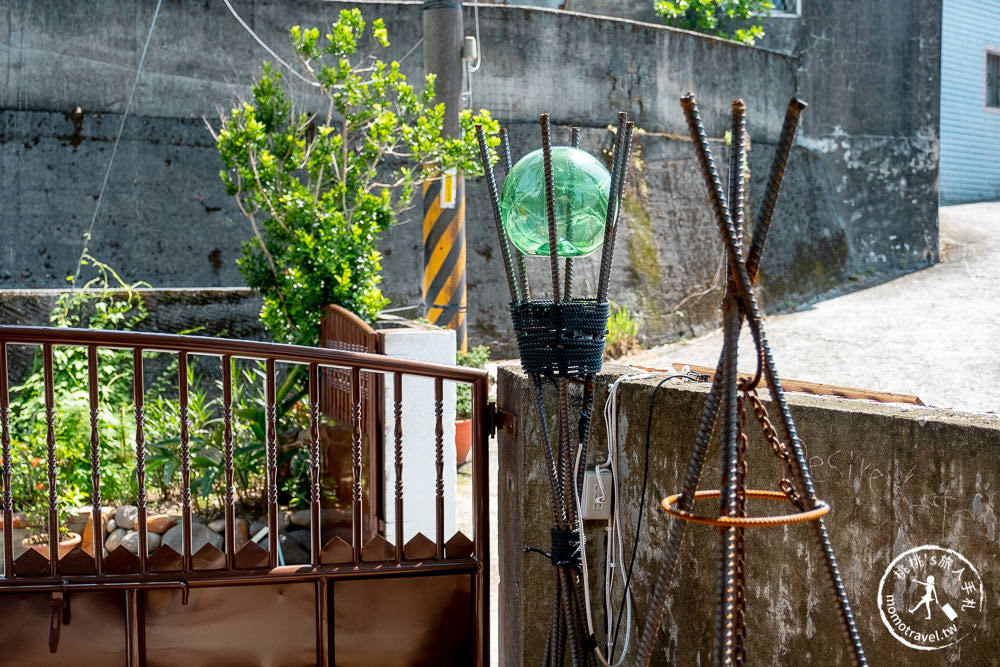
(743, 522)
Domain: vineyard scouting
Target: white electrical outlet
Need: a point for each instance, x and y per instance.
(597, 498)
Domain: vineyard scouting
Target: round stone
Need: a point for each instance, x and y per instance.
(580, 185)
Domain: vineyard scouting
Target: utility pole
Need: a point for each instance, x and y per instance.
(444, 283)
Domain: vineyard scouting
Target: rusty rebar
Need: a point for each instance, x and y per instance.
(484, 156)
(522, 272)
(550, 206)
(770, 200)
(568, 289)
(611, 217)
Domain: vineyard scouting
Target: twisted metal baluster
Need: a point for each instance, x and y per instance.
(138, 398)
(316, 523)
(227, 459)
(8, 498)
(397, 413)
(271, 451)
(439, 464)
(356, 489)
(95, 459)
(182, 384)
(50, 441)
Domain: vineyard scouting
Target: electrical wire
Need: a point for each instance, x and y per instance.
(479, 43)
(614, 555)
(281, 61)
(118, 138)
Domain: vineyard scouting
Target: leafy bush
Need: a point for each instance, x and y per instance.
(104, 302)
(623, 332)
(107, 302)
(717, 17)
(319, 188)
(476, 357)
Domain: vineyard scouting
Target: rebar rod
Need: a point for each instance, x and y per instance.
(550, 206)
(604, 279)
(484, 156)
(568, 289)
(751, 311)
(675, 537)
(735, 566)
(555, 494)
(727, 613)
(522, 272)
(583, 429)
(612, 214)
(781, 154)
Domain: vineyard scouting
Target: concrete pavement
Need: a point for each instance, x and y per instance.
(933, 333)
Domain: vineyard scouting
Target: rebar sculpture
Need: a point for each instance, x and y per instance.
(796, 485)
(562, 339)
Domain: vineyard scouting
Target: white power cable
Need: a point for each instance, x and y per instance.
(118, 138)
(615, 543)
(479, 43)
(267, 48)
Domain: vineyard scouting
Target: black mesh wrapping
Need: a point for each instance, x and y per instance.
(564, 339)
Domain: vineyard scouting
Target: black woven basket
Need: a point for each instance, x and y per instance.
(565, 338)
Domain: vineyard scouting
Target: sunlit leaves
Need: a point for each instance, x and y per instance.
(722, 18)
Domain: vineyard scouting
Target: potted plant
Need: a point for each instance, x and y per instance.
(476, 357)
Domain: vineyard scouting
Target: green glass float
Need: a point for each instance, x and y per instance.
(580, 188)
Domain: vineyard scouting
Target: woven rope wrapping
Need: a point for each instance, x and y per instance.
(563, 339)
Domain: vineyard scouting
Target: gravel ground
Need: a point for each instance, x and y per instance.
(933, 333)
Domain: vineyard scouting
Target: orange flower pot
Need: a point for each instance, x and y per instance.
(463, 440)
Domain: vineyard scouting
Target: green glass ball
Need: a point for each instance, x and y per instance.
(580, 184)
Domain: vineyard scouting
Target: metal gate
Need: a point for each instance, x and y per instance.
(343, 330)
(361, 601)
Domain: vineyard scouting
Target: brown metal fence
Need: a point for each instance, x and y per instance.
(366, 601)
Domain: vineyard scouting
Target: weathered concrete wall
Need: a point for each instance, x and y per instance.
(896, 477)
(872, 73)
(165, 219)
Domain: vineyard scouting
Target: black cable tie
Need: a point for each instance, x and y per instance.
(565, 548)
(590, 643)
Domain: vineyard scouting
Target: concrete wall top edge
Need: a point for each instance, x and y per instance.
(200, 61)
(920, 415)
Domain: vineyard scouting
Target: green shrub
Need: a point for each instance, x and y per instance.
(104, 302)
(476, 357)
(623, 332)
(720, 18)
(319, 188)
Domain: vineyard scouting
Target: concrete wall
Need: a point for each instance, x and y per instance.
(165, 219)
(896, 477)
(872, 71)
(970, 131)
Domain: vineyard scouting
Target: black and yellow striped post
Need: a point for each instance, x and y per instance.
(444, 285)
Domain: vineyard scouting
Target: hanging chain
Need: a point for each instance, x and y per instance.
(742, 470)
(780, 449)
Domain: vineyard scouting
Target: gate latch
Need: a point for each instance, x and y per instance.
(498, 420)
(58, 617)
